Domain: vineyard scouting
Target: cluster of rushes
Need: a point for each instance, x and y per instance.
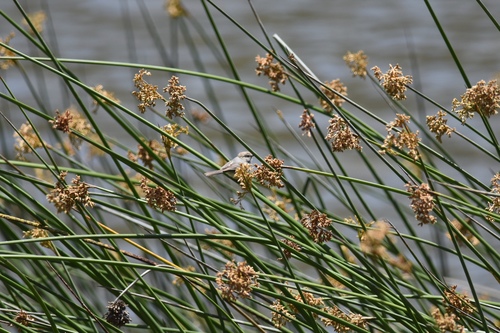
(238, 279)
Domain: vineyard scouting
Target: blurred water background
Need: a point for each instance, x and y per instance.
(319, 31)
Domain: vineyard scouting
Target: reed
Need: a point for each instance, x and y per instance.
(118, 229)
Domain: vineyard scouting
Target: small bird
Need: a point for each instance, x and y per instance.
(243, 157)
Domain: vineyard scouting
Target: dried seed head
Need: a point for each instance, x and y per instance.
(24, 318)
(117, 314)
(173, 130)
(38, 233)
(37, 19)
(4, 52)
(446, 322)
(65, 197)
(282, 203)
(176, 92)
(422, 203)
(280, 315)
(274, 71)
(357, 62)
(175, 8)
(403, 138)
(159, 197)
(286, 252)
(437, 125)
(463, 228)
(72, 120)
(26, 138)
(243, 174)
(394, 83)
(317, 224)
(372, 239)
(353, 318)
(61, 122)
(306, 122)
(334, 98)
(236, 280)
(146, 158)
(482, 98)
(100, 89)
(269, 177)
(340, 135)
(494, 205)
(457, 303)
(148, 94)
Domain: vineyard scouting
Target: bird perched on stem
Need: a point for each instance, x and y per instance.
(243, 157)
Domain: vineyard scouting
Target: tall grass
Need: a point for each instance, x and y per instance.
(111, 230)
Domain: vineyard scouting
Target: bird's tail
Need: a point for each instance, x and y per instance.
(211, 173)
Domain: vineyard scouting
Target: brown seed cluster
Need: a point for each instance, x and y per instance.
(37, 19)
(437, 125)
(286, 252)
(335, 283)
(4, 52)
(482, 98)
(79, 124)
(402, 139)
(148, 94)
(307, 298)
(100, 89)
(65, 197)
(340, 135)
(353, 318)
(117, 314)
(270, 177)
(26, 138)
(464, 231)
(280, 314)
(372, 243)
(176, 92)
(70, 120)
(274, 71)
(39, 233)
(175, 9)
(402, 263)
(236, 280)
(372, 239)
(357, 62)
(494, 205)
(333, 98)
(158, 197)
(145, 157)
(394, 83)
(23, 318)
(174, 130)
(422, 203)
(346, 252)
(243, 175)
(282, 203)
(457, 304)
(306, 122)
(317, 224)
(62, 122)
(446, 322)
